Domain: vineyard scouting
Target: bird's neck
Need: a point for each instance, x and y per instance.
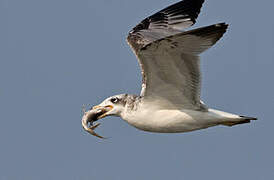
(132, 105)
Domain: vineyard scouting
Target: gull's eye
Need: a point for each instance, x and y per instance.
(114, 100)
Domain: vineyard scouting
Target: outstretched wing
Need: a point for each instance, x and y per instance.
(169, 21)
(171, 67)
(169, 57)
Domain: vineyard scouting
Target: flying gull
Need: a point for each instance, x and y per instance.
(171, 82)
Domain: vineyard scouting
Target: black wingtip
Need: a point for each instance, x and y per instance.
(189, 8)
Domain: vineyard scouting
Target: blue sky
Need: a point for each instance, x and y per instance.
(57, 55)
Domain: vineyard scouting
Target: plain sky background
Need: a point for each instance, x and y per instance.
(56, 55)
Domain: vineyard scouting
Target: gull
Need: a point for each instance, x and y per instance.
(168, 56)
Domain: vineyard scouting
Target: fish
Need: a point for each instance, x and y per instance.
(89, 118)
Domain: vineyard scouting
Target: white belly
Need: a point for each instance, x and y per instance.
(174, 121)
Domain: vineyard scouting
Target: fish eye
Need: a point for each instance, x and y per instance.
(114, 100)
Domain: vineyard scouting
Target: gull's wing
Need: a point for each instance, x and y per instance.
(169, 21)
(169, 57)
(170, 66)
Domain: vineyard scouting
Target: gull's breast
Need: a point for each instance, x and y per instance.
(168, 121)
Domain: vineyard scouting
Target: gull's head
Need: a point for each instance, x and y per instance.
(114, 105)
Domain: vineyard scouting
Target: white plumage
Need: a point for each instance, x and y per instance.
(169, 59)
